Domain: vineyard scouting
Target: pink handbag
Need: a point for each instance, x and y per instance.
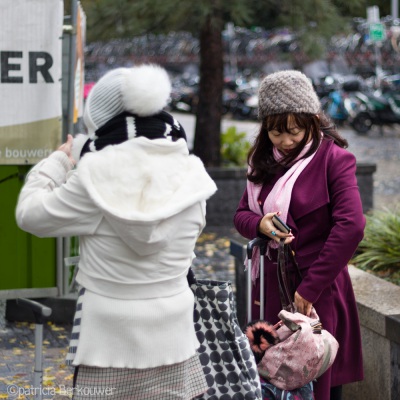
(305, 351)
(297, 349)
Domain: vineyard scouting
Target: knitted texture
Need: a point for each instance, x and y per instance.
(287, 92)
(127, 126)
(144, 90)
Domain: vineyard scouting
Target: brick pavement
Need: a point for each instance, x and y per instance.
(17, 346)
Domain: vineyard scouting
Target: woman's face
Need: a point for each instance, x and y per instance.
(286, 142)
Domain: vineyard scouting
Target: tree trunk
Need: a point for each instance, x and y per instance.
(207, 142)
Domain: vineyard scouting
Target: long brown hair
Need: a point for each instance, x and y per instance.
(260, 158)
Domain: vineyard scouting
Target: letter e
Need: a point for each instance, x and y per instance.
(6, 66)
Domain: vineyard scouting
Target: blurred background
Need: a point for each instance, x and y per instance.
(216, 52)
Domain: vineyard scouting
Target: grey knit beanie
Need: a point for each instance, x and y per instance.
(143, 90)
(287, 91)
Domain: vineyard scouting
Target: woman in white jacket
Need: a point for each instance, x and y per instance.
(137, 202)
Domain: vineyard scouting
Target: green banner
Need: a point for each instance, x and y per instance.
(29, 143)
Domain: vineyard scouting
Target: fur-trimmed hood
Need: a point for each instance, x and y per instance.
(142, 185)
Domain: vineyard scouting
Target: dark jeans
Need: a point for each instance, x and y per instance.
(336, 393)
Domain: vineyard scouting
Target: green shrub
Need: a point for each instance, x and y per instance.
(379, 251)
(234, 148)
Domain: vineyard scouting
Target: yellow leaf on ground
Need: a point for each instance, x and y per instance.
(62, 336)
(56, 328)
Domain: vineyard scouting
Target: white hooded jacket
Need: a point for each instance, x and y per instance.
(138, 208)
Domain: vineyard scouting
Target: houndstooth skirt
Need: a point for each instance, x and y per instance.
(178, 381)
(184, 380)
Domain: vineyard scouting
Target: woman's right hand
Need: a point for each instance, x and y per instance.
(267, 228)
(67, 148)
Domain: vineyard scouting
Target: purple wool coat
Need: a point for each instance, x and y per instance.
(327, 220)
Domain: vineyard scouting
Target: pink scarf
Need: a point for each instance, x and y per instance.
(277, 200)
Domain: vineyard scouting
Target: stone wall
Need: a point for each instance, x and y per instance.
(378, 304)
(221, 207)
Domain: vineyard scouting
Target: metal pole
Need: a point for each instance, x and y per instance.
(262, 284)
(378, 65)
(395, 9)
(38, 370)
(60, 266)
(248, 293)
(72, 62)
(63, 244)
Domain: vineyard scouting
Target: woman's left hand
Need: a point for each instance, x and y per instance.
(302, 305)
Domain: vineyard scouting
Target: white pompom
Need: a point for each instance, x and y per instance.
(146, 91)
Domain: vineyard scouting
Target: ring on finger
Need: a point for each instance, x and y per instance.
(273, 233)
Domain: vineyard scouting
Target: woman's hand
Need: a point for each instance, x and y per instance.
(67, 147)
(302, 305)
(266, 227)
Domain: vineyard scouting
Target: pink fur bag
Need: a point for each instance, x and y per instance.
(304, 352)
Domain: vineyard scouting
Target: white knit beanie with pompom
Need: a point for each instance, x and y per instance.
(143, 90)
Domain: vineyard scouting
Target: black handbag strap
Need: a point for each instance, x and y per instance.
(286, 254)
(191, 277)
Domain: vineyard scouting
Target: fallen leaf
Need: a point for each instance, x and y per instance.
(62, 337)
(16, 376)
(56, 328)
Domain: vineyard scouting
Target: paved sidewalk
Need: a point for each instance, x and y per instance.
(17, 360)
(17, 339)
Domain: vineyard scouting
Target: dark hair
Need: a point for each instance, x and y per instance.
(260, 158)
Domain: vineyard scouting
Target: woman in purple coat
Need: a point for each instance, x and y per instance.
(300, 170)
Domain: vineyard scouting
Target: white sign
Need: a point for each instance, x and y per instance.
(30, 85)
(373, 14)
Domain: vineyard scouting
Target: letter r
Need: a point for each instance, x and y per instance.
(34, 68)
